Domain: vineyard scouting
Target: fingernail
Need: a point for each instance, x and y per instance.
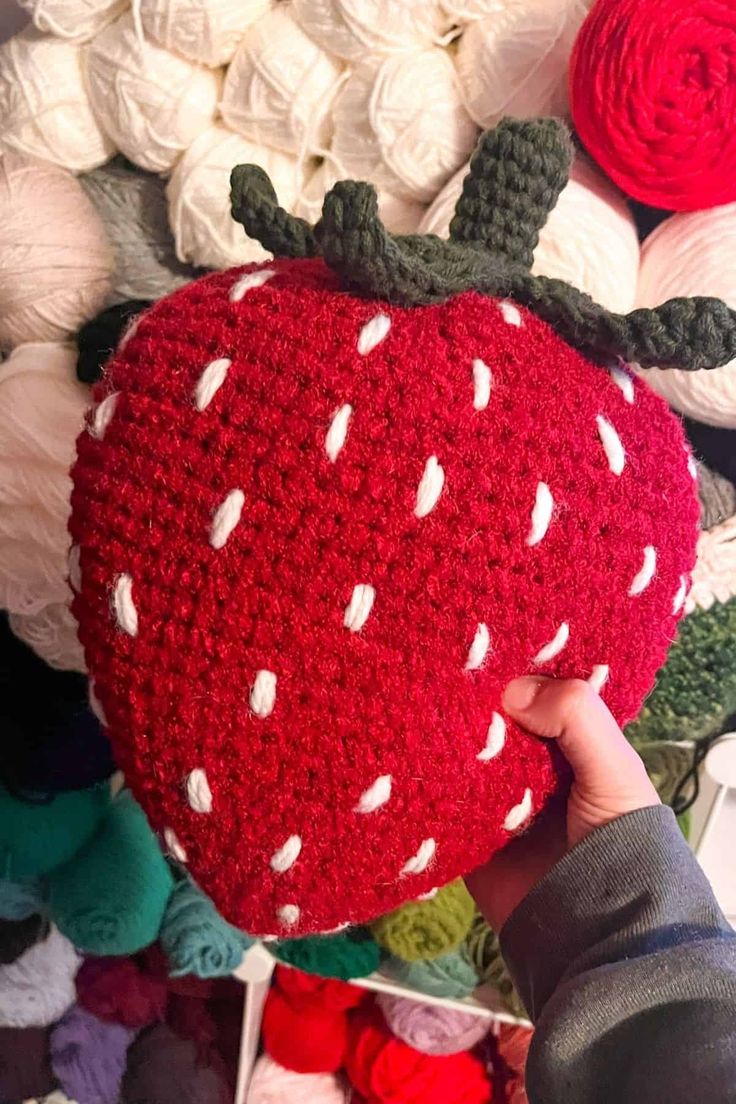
(520, 694)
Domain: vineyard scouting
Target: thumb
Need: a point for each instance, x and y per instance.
(604, 763)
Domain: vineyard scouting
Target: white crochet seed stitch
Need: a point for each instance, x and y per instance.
(598, 677)
(482, 380)
(338, 432)
(210, 382)
(96, 706)
(249, 282)
(495, 739)
(511, 313)
(373, 333)
(541, 515)
(289, 915)
(645, 574)
(227, 516)
(623, 381)
(612, 446)
(376, 795)
(199, 794)
(129, 331)
(359, 607)
(418, 863)
(74, 568)
(126, 614)
(103, 415)
(555, 646)
(479, 648)
(263, 694)
(692, 467)
(519, 814)
(430, 487)
(283, 859)
(429, 895)
(679, 600)
(173, 845)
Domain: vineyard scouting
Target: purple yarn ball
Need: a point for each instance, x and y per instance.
(88, 1056)
(432, 1028)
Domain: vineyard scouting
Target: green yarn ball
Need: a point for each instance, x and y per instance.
(196, 939)
(110, 899)
(685, 822)
(450, 975)
(423, 930)
(345, 955)
(696, 689)
(35, 838)
(667, 764)
(483, 951)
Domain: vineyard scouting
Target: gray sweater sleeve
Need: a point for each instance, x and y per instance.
(628, 969)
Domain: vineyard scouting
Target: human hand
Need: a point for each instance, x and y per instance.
(609, 780)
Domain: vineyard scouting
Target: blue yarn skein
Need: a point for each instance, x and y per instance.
(195, 938)
(21, 899)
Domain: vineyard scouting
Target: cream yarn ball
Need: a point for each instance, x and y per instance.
(280, 87)
(589, 239)
(271, 1083)
(43, 412)
(354, 29)
(76, 19)
(693, 254)
(514, 61)
(465, 11)
(400, 123)
(199, 197)
(398, 215)
(55, 259)
(151, 102)
(207, 31)
(44, 106)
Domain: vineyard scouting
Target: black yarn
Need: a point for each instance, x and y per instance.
(18, 936)
(715, 445)
(98, 339)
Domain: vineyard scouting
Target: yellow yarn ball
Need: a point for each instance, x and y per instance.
(422, 930)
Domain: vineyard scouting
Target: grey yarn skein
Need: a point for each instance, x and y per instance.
(717, 497)
(38, 988)
(132, 206)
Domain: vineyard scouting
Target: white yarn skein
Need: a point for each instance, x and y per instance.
(354, 29)
(206, 31)
(589, 239)
(466, 11)
(400, 123)
(692, 253)
(79, 20)
(280, 87)
(398, 215)
(515, 60)
(199, 197)
(151, 102)
(43, 413)
(44, 106)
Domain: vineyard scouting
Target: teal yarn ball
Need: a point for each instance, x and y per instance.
(450, 975)
(19, 900)
(110, 899)
(345, 955)
(35, 838)
(195, 938)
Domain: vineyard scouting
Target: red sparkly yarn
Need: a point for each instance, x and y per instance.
(309, 991)
(118, 990)
(386, 1071)
(174, 663)
(653, 94)
(307, 1040)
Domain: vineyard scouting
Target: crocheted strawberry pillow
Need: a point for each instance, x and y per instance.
(324, 510)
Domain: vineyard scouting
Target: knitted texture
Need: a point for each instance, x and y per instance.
(350, 954)
(696, 689)
(450, 975)
(35, 838)
(195, 938)
(98, 338)
(481, 947)
(317, 536)
(425, 929)
(652, 90)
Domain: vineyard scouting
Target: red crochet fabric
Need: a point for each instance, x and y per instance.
(652, 88)
(307, 1040)
(315, 536)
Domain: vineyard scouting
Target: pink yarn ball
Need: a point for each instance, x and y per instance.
(272, 1084)
(432, 1028)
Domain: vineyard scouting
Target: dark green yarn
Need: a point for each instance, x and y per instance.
(696, 689)
(482, 949)
(98, 338)
(254, 204)
(667, 765)
(349, 954)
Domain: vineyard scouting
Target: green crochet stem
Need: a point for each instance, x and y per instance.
(514, 180)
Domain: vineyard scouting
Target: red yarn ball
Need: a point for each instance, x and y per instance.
(307, 1040)
(309, 991)
(386, 1071)
(653, 93)
(118, 990)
